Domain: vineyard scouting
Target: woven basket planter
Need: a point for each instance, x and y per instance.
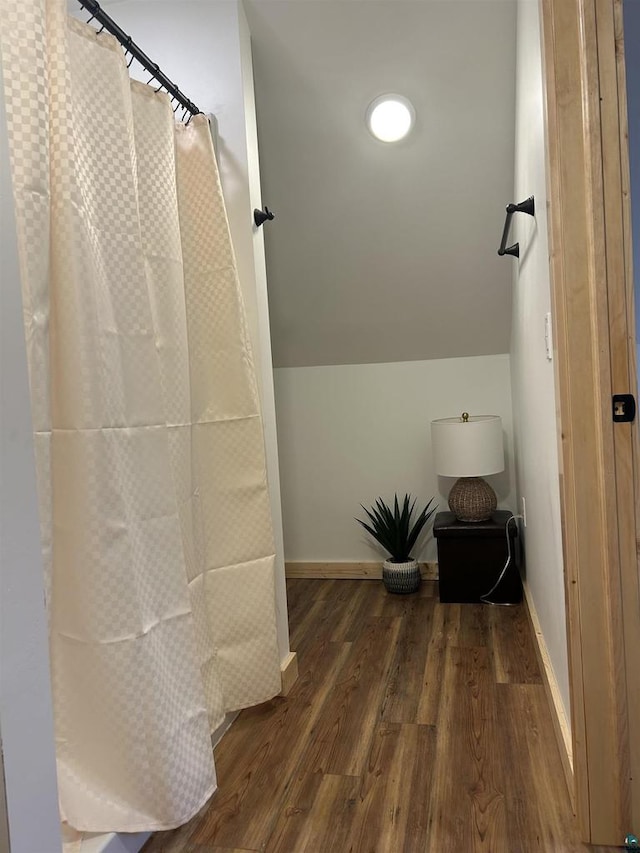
(401, 578)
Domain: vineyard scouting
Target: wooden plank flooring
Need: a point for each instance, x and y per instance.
(414, 727)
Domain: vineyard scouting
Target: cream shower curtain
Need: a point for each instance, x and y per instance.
(154, 505)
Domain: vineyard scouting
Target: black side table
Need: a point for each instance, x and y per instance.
(471, 556)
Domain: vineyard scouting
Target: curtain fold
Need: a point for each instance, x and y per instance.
(154, 505)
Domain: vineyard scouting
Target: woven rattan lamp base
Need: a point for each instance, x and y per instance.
(472, 499)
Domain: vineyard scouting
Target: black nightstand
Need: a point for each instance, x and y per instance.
(471, 556)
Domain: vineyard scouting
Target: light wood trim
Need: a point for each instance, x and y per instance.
(289, 673)
(556, 82)
(561, 727)
(624, 377)
(607, 145)
(350, 571)
(586, 249)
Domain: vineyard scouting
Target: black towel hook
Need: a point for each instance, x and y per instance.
(262, 216)
(526, 206)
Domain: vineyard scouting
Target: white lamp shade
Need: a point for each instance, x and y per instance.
(472, 448)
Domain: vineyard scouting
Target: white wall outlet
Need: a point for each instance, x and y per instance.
(524, 512)
(548, 337)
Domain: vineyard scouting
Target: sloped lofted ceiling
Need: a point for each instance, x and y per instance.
(379, 252)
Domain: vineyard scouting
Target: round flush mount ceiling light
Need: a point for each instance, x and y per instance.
(390, 117)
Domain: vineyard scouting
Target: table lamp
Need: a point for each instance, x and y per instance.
(470, 448)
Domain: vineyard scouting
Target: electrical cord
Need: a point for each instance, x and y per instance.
(485, 598)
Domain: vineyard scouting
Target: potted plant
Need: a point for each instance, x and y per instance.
(394, 530)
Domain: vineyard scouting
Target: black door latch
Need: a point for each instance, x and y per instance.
(624, 408)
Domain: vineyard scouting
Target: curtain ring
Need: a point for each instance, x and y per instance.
(101, 29)
(130, 62)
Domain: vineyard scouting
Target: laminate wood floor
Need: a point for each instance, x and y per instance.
(414, 727)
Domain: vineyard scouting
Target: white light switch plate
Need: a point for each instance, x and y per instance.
(548, 338)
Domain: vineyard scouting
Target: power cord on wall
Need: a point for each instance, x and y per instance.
(485, 598)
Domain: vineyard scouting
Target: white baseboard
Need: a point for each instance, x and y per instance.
(561, 725)
(226, 724)
(289, 672)
(104, 842)
(125, 842)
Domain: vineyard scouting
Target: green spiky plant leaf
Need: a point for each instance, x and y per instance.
(392, 526)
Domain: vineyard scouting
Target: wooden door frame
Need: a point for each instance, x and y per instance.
(592, 293)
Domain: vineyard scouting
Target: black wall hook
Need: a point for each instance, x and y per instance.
(526, 206)
(261, 216)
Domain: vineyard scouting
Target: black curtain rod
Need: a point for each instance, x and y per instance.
(130, 47)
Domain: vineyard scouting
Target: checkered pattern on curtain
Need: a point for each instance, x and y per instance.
(154, 505)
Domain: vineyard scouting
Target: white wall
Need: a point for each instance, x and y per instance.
(263, 331)
(532, 374)
(26, 719)
(204, 48)
(351, 433)
(383, 253)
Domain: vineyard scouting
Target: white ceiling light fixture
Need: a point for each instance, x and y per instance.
(390, 117)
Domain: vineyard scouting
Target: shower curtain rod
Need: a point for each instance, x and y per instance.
(130, 47)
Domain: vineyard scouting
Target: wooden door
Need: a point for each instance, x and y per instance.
(590, 258)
